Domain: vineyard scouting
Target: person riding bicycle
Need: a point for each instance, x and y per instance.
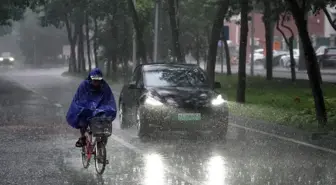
(93, 97)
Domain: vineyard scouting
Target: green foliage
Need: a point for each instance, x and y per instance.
(280, 101)
(4, 30)
(12, 10)
(32, 36)
(196, 18)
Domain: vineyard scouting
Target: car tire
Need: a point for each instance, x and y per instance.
(124, 122)
(143, 129)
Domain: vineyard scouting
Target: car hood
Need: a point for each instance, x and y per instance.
(184, 96)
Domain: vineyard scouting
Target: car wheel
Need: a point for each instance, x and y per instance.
(124, 123)
(143, 128)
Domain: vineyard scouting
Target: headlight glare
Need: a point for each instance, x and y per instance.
(1, 59)
(152, 101)
(218, 100)
(11, 59)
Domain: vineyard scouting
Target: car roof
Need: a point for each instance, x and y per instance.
(155, 66)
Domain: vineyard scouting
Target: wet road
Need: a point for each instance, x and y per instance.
(37, 147)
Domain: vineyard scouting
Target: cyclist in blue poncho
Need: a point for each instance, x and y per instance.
(93, 97)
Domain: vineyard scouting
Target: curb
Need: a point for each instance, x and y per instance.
(318, 139)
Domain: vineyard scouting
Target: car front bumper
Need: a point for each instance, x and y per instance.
(166, 118)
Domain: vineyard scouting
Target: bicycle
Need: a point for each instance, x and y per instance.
(96, 135)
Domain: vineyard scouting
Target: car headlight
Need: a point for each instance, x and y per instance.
(152, 101)
(1, 59)
(218, 100)
(11, 59)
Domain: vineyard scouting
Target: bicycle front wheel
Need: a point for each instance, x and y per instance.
(85, 159)
(100, 158)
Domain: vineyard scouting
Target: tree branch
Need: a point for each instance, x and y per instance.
(332, 22)
(282, 33)
(285, 26)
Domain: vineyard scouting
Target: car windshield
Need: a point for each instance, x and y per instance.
(175, 77)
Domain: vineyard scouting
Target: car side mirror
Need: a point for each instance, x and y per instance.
(217, 85)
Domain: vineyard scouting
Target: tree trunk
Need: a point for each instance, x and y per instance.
(269, 34)
(80, 49)
(72, 38)
(88, 44)
(139, 32)
(198, 48)
(215, 35)
(292, 60)
(95, 42)
(302, 62)
(311, 62)
(108, 68)
(115, 35)
(242, 52)
(227, 56)
(175, 32)
(115, 72)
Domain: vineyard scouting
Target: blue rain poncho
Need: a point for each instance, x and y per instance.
(89, 101)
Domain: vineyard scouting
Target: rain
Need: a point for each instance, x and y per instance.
(198, 101)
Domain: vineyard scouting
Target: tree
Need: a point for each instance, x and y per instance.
(242, 52)
(139, 31)
(4, 30)
(269, 34)
(289, 41)
(88, 40)
(175, 31)
(228, 58)
(299, 9)
(215, 36)
(34, 41)
(196, 21)
(12, 10)
(63, 13)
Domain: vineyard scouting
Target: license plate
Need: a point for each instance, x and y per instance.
(189, 116)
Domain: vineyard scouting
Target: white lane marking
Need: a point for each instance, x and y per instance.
(167, 168)
(58, 105)
(286, 139)
(44, 97)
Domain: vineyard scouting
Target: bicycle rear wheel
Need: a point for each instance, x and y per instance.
(100, 157)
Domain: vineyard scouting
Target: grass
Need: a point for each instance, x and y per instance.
(280, 101)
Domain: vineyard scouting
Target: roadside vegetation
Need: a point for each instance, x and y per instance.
(279, 101)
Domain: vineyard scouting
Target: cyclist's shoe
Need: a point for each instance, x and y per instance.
(80, 142)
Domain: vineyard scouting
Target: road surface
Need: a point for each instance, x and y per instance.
(37, 147)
